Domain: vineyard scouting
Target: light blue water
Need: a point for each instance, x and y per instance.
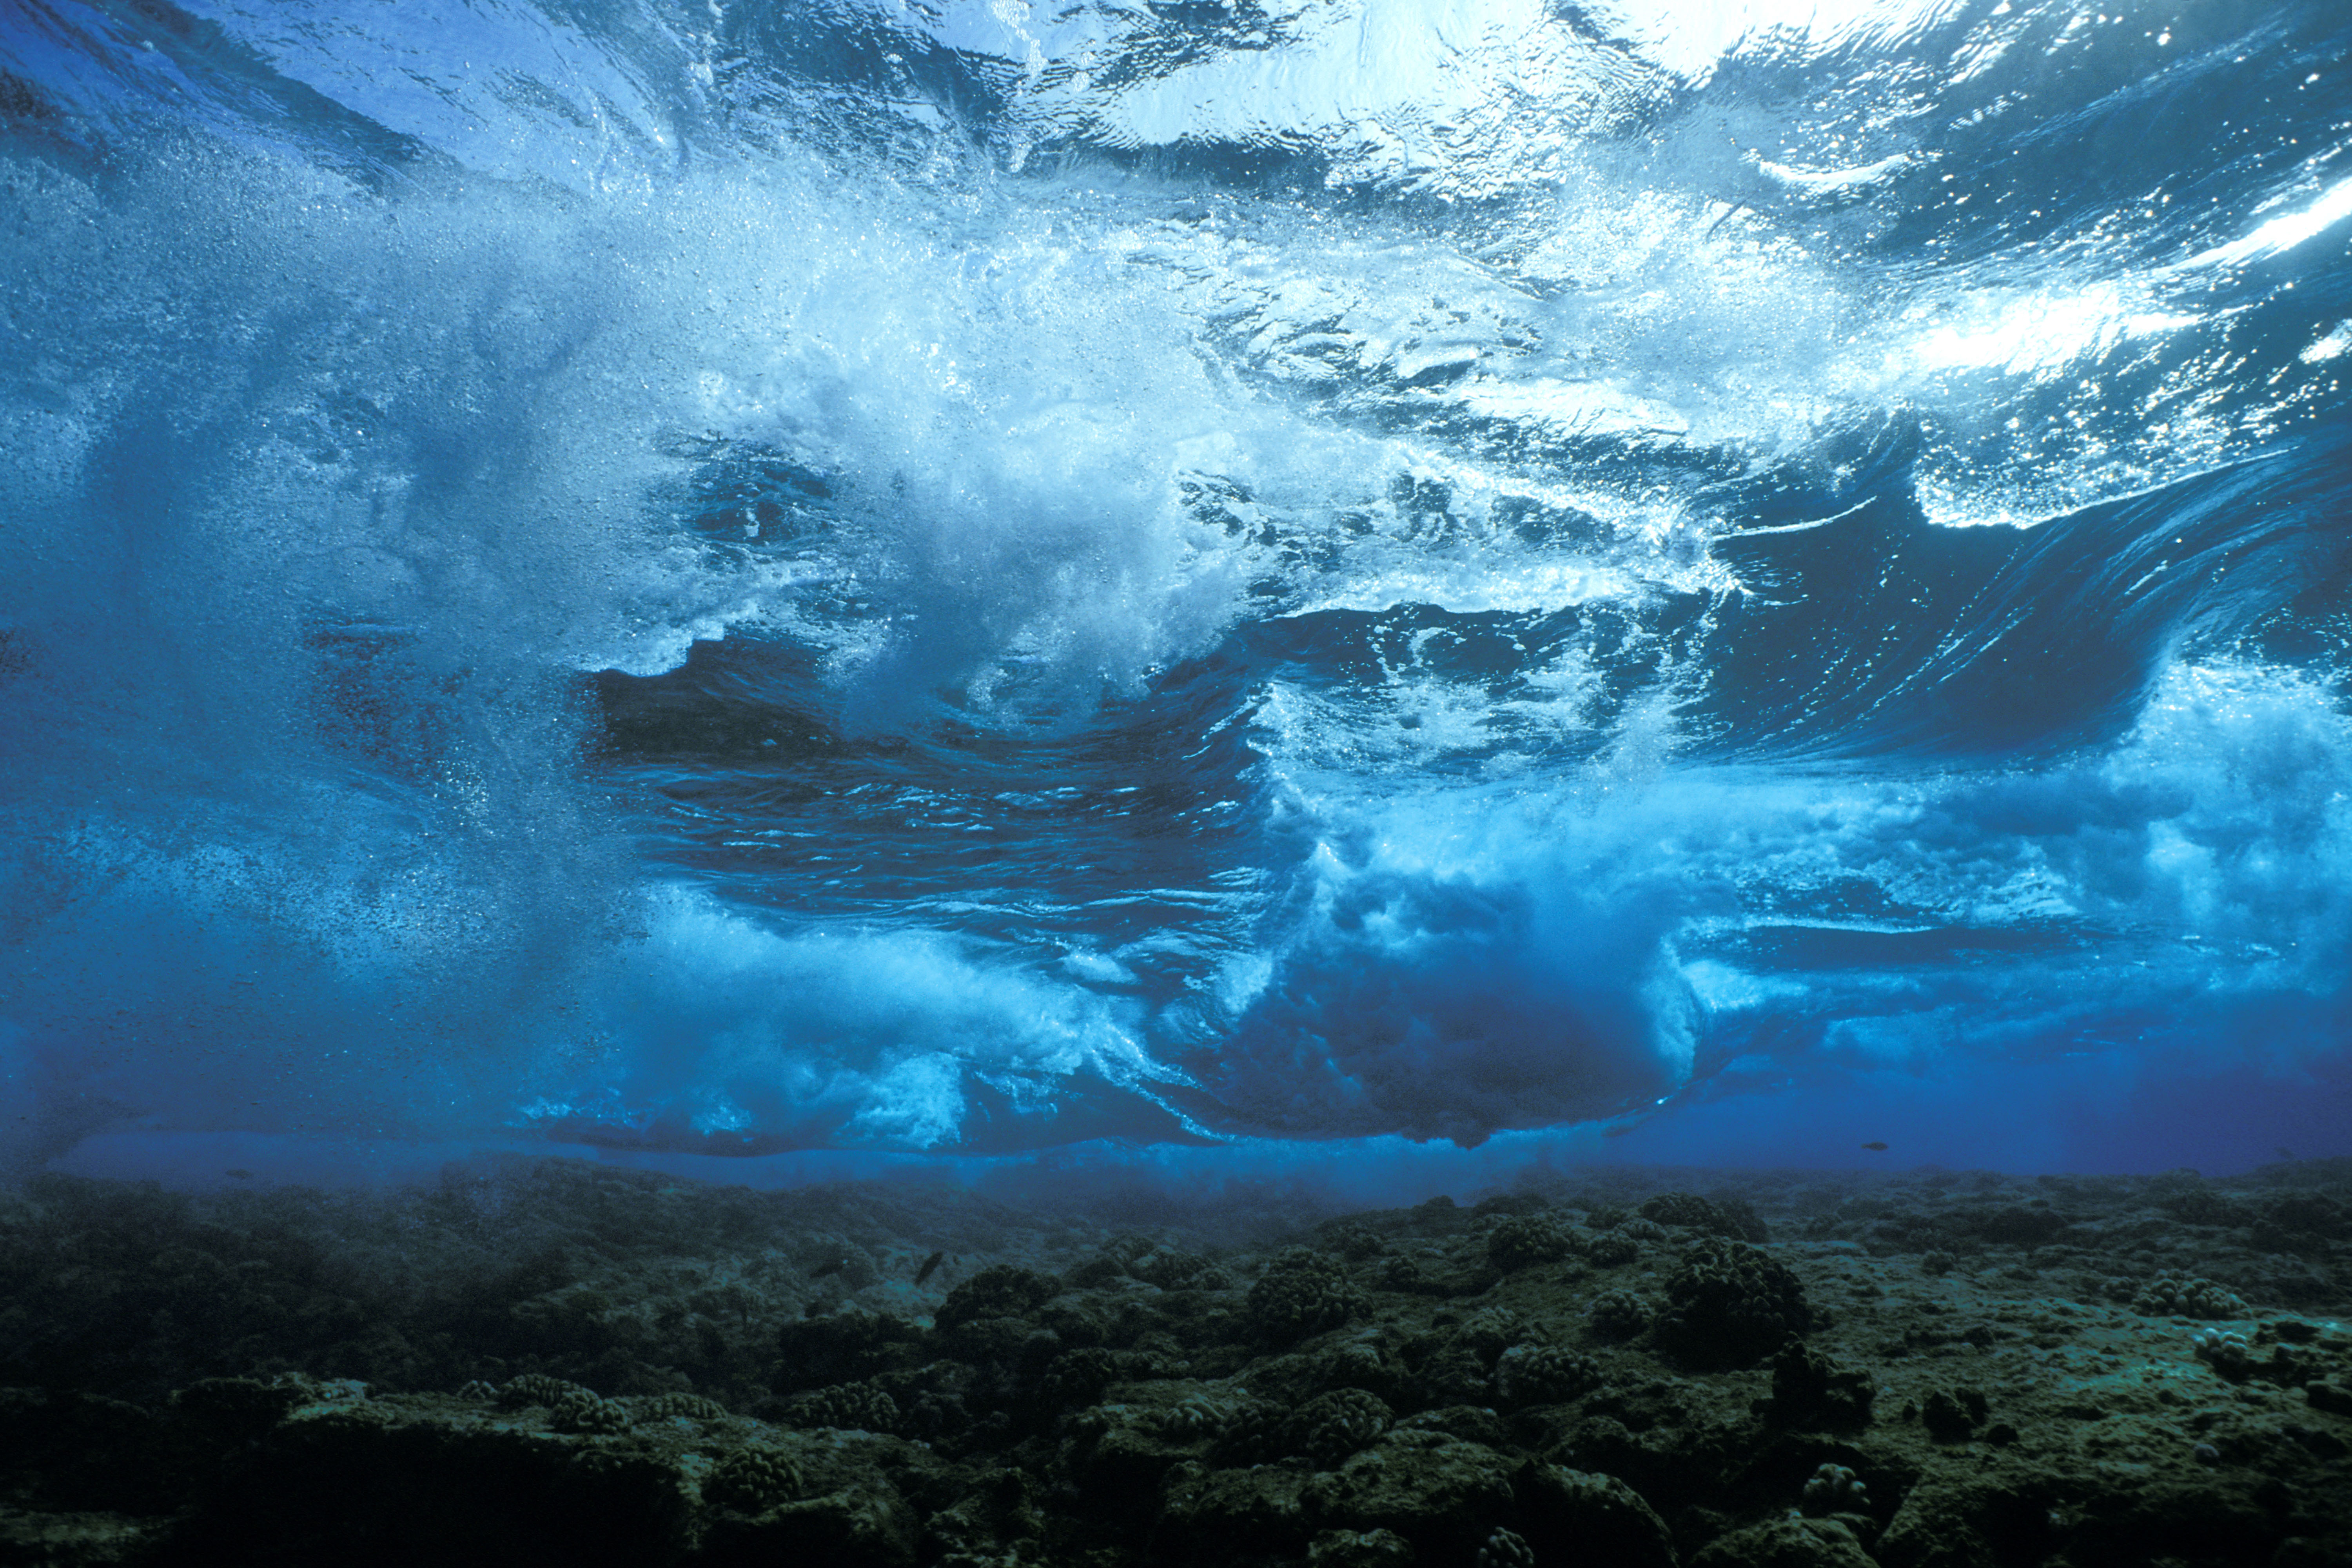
(1378, 586)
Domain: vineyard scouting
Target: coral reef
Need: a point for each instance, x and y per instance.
(1809, 1389)
(1730, 1305)
(1787, 1543)
(1940, 1371)
(1692, 1211)
(1619, 1314)
(851, 1406)
(1002, 1291)
(1506, 1549)
(842, 1347)
(1953, 1414)
(1612, 1250)
(1330, 1426)
(2226, 1350)
(582, 1411)
(752, 1479)
(1834, 1489)
(1544, 1374)
(1360, 1548)
(1302, 1292)
(2170, 1296)
(1522, 1241)
(537, 1388)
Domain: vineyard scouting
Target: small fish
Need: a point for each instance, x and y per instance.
(240, 1175)
(2283, 1153)
(821, 1269)
(1875, 1147)
(930, 1264)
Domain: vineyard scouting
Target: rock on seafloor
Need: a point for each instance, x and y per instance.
(551, 1362)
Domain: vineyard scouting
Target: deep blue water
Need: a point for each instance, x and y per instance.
(1207, 587)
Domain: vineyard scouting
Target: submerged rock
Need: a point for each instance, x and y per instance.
(1785, 1543)
(1301, 1293)
(1566, 1515)
(1442, 1494)
(1814, 1401)
(1730, 1306)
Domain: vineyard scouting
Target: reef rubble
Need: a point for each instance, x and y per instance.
(550, 1360)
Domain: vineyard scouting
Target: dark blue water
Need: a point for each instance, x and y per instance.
(1206, 586)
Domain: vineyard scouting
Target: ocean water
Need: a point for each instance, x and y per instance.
(1362, 589)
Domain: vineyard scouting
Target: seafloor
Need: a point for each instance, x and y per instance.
(550, 1361)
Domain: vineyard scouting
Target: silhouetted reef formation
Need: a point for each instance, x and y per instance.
(546, 1361)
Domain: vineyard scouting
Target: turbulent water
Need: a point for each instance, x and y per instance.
(966, 578)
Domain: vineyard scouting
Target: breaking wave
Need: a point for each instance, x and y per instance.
(968, 579)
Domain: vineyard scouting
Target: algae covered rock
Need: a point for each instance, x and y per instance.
(1785, 1543)
(1355, 1241)
(831, 1497)
(1506, 1549)
(2014, 1225)
(995, 1525)
(1471, 1423)
(232, 1409)
(2314, 1214)
(537, 1388)
(1695, 1213)
(1619, 1314)
(2226, 1350)
(1612, 1250)
(1331, 1426)
(1360, 1548)
(1730, 1305)
(849, 1406)
(1076, 1378)
(1954, 1523)
(1809, 1389)
(1093, 1272)
(1253, 1431)
(1118, 1452)
(1544, 1374)
(1488, 1333)
(2304, 1223)
(865, 1526)
(1000, 1291)
(1173, 1268)
(400, 1482)
(841, 1347)
(1523, 1241)
(1833, 1489)
(2193, 1203)
(1577, 1516)
(2334, 1398)
(1113, 1421)
(1444, 1495)
(1302, 1293)
(752, 1479)
(587, 1414)
(80, 1452)
(2187, 1296)
(1361, 1361)
(1447, 1371)
(1211, 1515)
(1953, 1414)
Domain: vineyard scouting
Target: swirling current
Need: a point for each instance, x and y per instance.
(1238, 582)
